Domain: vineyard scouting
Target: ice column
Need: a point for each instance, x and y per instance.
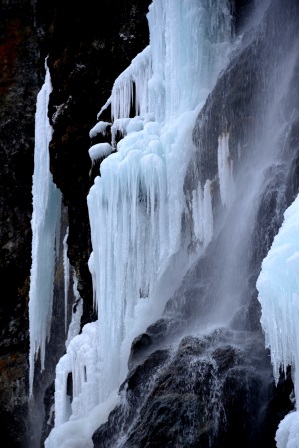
(46, 211)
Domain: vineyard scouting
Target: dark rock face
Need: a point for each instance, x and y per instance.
(20, 78)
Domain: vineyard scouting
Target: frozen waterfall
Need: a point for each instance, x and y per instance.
(136, 205)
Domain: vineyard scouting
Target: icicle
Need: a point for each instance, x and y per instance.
(225, 170)
(138, 74)
(46, 213)
(198, 213)
(208, 213)
(66, 271)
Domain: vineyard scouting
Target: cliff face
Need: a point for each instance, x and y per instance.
(21, 76)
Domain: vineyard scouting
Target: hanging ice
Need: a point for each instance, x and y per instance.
(225, 170)
(66, 271)
(46, 211)
(278, 286)
(135, 76)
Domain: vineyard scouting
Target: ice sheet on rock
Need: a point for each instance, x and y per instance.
(99, 128)
(46, 213)
(99, 151)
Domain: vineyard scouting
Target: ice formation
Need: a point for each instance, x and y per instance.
(77, 311)
(225, 170)
(136, 205)
(44, 223)
(99, 128)
(66, 271)
(278, 286)
(99, 151)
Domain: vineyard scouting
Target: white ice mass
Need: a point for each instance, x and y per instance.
(44, 223)
(278, 286)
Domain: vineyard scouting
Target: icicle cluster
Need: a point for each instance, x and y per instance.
(278, 286)
(133, 82)
(45, 224)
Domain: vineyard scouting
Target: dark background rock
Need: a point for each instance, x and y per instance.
(21, 75)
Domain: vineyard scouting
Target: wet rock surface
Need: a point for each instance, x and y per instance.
(212, 391)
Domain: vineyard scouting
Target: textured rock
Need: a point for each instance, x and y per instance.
(20, 79)
(208, 393)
